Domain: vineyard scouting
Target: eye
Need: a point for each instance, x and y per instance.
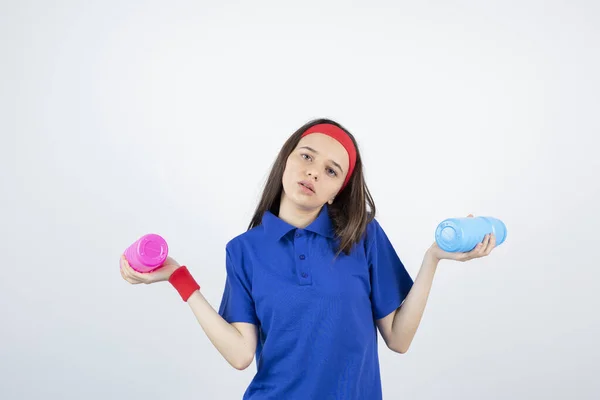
(331, 171)
(305, 156)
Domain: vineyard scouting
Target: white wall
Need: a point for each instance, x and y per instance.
(122, 118)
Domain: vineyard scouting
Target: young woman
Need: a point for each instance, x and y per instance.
(313, 278)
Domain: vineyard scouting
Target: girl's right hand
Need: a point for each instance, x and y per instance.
(161, 274)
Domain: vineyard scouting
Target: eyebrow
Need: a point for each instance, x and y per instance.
(316, 152)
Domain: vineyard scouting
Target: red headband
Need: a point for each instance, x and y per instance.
(342, 137)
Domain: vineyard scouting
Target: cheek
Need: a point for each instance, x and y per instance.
(288, 172)
(328, 188)
(291, 167)
(332, 190)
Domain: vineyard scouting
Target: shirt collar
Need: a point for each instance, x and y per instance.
(276, 228)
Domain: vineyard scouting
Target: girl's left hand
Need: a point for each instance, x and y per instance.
(481, 250)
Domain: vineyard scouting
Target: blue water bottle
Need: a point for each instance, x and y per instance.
(462, 234)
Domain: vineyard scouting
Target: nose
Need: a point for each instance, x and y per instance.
(312, 175)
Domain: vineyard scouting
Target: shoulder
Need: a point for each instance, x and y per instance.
(238, 252)
(375, 236)
(250, 238)
(373, 229)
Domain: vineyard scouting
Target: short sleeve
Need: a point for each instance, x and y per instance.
(390, 282)
(237, 304)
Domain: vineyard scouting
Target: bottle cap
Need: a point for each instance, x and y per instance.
(152, 250)
(447, 236)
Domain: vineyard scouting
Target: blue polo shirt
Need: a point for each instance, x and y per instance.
(315, 313)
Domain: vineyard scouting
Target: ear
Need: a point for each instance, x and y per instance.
(331, 201)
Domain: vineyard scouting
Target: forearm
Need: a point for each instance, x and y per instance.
(408, 317)
(227, 339)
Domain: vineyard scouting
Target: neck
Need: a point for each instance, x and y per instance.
(294, 215)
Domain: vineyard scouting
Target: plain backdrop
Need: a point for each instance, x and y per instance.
(120, 118)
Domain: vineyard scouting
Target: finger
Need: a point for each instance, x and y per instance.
(127, 278)
(484, 245)
(129, 271)
(486, 240)
(470, 216)
(475, 252)
(465, 256)
(138, 276)
(491, 244)
(131, 275)
(134, 276)
(125, 267)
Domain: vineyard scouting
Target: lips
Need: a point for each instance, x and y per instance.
(308, 185)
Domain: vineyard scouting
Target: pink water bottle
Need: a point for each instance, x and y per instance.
(147, 253)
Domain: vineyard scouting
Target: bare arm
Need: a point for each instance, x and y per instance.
(236, 342)
(398, 329)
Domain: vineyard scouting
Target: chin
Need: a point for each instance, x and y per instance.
(305, 202)
(302, 201)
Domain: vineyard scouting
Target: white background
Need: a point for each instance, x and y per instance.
(123, 118)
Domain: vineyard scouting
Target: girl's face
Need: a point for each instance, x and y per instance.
(315, 171)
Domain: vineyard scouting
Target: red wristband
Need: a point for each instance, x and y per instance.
(182, 280)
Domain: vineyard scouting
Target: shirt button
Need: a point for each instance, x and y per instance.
(304, 274)
(302, 257)
(298, 235)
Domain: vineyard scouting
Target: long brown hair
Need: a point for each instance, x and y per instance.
(349, 213)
